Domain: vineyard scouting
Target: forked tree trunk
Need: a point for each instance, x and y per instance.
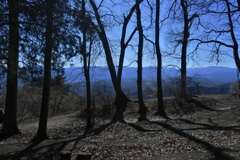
(121, 99)
(142, 108)
(10, 127)
(124, 43)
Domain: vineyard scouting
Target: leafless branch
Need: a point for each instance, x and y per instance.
(130, 63)
(169, 12)
(130, 37)
(213, 41)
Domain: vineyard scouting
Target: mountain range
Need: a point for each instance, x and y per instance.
(211, 80)
(214, 73)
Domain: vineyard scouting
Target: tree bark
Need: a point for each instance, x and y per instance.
(142, 108)
(10, 126)
(42, 127)
(161, 111)
(183, 91)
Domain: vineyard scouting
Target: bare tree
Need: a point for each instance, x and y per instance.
(215, 34)
(186, 33)
(219, 32)
(183, 11)
(124, 44)
(121, 99)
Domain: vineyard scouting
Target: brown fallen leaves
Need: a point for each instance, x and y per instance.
(212, 133)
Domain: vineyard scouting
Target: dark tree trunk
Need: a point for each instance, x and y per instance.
(238, 4)
(10, 127)
(183, 92)
(121, 103)
(86, 61)
(161, 111)
(123, 43)
(88, 86)
(121, 99)
(42, 128)
(235, 42)
(142, 108)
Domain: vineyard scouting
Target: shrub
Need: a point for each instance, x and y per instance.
(234, 88)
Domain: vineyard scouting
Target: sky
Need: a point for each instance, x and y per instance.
(203, 58)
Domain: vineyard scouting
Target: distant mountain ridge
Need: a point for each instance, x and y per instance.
(214, 73)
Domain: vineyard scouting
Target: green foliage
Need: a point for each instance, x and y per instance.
(3, 34)
(59, 81)
(32, 75)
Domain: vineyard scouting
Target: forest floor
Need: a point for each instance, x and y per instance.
(209, 129)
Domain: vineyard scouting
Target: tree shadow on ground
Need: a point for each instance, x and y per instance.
(20, 154)
(141, 129)
(47, 150)
(205, 126)
(217, 152)
(52, 150)
(201, 105)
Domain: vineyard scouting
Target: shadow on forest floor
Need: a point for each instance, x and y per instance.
(217, 152)
(187, 128)
(51, 150)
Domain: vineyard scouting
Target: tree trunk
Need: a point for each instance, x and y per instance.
(89, 102)
(121, 99)
(238, 4)
(161, 111)
(142, 108)
(183, 92)
(86, 61)
(123, 43)
(42, 128)
(121, 102)
(235, 42)
(10, 127)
